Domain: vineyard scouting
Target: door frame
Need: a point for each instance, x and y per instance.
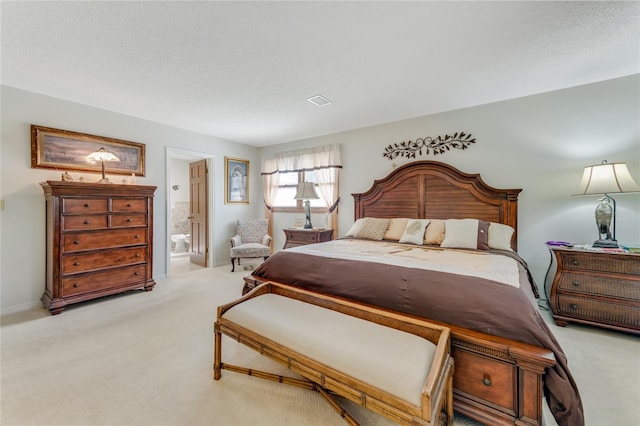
(183, 154)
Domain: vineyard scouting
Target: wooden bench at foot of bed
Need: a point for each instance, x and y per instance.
(395, 365)
(497, 381)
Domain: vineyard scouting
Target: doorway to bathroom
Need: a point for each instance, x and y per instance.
(188, 211)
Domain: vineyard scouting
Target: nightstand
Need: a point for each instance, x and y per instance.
(594, 287)
(301, 236)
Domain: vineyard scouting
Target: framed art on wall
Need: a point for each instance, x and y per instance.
(66, 150)
(236, 183)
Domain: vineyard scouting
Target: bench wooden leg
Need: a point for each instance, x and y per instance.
(449, 391)
(217, 351)
(332, 402)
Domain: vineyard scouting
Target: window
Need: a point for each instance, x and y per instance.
(287, 187)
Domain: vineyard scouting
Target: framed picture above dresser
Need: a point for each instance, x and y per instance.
(99, 241)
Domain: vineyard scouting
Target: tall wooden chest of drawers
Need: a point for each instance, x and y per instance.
(99, 241)
(596, 288)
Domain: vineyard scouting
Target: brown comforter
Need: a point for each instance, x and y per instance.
(469, 302)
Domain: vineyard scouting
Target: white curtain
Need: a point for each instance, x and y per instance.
(270, 184)
(328, 186)
(326, 163)
(304, 159)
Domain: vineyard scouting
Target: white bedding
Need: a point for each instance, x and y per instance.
(502, 269)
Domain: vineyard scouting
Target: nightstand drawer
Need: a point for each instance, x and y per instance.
(599, 285)
(602, 262)
(590, 309)
(302, 237)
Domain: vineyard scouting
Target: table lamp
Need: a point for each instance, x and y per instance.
(604, 179)
(102, 155)
(306, 191)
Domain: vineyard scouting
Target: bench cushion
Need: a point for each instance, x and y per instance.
(386, 358)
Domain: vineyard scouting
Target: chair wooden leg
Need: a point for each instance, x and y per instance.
(233, 264)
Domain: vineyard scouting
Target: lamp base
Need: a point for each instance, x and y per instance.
(606, 243)
(104, 180)
(308, 226)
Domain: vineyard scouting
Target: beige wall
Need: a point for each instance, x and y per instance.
(22, 225)
(538, 143)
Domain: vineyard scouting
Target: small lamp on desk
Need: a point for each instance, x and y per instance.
(604, 179)
(306, 191)
(102, 155)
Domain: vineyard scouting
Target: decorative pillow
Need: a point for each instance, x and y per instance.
(466, 233)
(500, 236)
(355, 228)
(434, 233)
(396, 228)
(372, 229)
(414, 232)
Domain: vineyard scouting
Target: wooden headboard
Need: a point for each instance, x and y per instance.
(434, 190)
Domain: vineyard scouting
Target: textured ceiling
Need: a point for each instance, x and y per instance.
(242, 71)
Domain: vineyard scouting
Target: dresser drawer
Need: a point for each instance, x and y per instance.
(600, 285)
(601, 262)
(84, 205)
(126, 220)
(129, 205)
(603, 311)
(77, 223)
(75, 263)
(106, 239)
(103, 280)
(479, 377)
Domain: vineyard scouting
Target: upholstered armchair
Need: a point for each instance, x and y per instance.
(252, 240)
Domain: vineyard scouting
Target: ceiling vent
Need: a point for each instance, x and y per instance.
(319, 100)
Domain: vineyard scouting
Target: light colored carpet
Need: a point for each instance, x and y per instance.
(146, 359)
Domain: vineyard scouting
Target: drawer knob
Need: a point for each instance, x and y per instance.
(486, 380)
(86, 222)
(576, 283)
(76, 264)
(137, 254)
(137, 236)
(573, 306)
(76, 285)
(76, 242)
(575, 262)
(129, 205)
(136, 273)
(87, 205)
(129, 220)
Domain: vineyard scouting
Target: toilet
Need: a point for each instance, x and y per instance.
(181, 241)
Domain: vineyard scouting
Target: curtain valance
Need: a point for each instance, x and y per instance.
(319, 157)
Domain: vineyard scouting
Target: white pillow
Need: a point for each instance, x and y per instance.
(466, 233)
(414, 231)
(500, 236)
(355, 227)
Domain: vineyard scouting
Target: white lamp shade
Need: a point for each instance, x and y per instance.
(607, 178)
(102, 155)
(306, 191)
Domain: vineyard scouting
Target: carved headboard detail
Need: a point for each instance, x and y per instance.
(434, 190)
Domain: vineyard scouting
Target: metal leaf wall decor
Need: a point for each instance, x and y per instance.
(437, 145)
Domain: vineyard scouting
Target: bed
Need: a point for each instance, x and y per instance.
(506, 357)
